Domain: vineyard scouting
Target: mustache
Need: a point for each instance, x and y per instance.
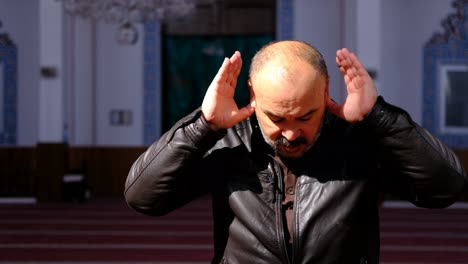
(282, 141)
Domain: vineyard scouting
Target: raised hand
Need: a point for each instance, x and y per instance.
(362, 93)
(218, 107)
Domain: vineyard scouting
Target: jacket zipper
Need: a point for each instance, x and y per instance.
(279, 212)
(294, 226)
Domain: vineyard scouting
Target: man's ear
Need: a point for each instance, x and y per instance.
(252, 93)
(327, 91)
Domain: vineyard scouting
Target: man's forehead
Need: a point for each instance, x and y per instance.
(278, 71)
(299, 112)
(290, 79)
(284, 104)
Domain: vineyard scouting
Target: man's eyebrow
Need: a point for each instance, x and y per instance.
(271, 114)
(311, 111)
(308, 113)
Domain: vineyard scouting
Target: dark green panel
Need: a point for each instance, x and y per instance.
(190, 64)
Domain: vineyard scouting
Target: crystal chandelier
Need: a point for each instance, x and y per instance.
(130, 11)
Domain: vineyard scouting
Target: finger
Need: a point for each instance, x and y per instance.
(339, 59)
(236, 61)
(244, 112)
(360, 69)
(359, 82)
(235, 56)
(335, 108)
(346, 58)
(341, 54)
(238, 67)
(222, 74)
(344, 64)
(355, 61)
(345, 53)
(339, 62)
(347, 79)
(233, 80)
(349, 65)
(347, 72)
(351, 72)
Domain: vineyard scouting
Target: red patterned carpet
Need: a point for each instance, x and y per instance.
(109, 232)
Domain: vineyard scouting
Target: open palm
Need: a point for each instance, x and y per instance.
(218, 107)
(362, 93)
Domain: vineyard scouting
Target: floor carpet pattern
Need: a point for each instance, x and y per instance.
(109, 232)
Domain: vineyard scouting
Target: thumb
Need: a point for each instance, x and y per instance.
(335, 108)
(244, 112)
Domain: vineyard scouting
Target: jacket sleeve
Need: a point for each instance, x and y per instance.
(167, 175)
(415, 163)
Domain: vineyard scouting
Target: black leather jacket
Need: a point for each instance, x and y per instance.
(337, 192)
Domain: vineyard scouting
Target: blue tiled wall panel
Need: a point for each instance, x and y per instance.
(455, 51)
(149, 90)
(8, 56)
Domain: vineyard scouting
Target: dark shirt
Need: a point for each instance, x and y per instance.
(289, 180)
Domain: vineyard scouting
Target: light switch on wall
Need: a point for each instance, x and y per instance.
(120, 117)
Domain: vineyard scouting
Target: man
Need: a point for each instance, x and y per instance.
(299, 180)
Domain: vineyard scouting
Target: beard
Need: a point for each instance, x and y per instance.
(282, 142)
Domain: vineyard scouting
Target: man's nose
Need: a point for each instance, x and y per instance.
(290, 134)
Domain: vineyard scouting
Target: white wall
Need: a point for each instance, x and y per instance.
(119, 86)
(320, 24)
(406, 26)
(331, 25)
(102, 76)
(350, 35)
(51, 90)
(108, 76)
(369, 32)
(387, 35)
(81, 88)
(20, 20)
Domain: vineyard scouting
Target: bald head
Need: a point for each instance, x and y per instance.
(285, 53)
(289, 90)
